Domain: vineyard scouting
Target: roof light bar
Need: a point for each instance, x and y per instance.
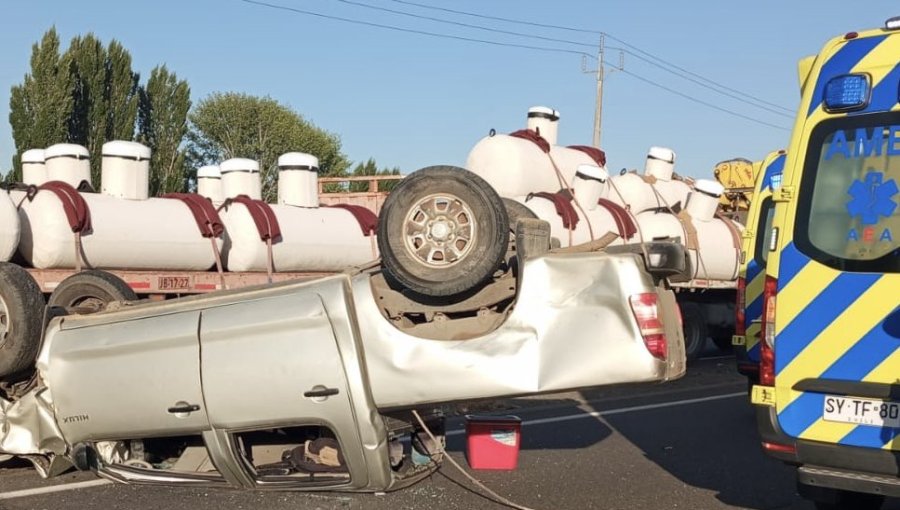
(892, 23)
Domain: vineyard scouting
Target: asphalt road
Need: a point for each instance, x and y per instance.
(690, 444)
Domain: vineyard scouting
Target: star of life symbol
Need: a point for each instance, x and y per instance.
(872, 198)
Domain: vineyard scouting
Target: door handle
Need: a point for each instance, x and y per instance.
(320, 392)
(183, 408)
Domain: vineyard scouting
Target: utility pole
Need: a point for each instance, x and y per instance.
(601, 75)
(598, 109)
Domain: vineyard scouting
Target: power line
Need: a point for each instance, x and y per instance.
(597, 32)
(467, 25)
(498, 18)
(413, 31)
(704, 103)
(498, 43)
(670, 64)
(702, 84)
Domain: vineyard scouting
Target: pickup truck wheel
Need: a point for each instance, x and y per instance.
(90, 291)
(694, 329)
(21, 316)
(442, 231)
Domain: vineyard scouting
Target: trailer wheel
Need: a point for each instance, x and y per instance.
(442, 231)
(90, 291)
(21, 314)
(694, 324)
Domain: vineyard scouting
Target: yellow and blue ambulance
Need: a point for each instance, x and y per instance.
(752, 274)
(828, 398)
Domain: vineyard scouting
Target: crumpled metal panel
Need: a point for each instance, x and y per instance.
(29, 429)
(571, 327)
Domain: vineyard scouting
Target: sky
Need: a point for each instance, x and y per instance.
(413, 100)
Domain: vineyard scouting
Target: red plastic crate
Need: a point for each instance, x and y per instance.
(492, 442)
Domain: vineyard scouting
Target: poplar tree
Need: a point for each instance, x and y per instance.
(41, 106)
(164, 105)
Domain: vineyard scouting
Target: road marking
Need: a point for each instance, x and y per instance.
(53, 488)
(595, 414)
(621, 410)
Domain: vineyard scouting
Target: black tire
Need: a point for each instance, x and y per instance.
(851, 500)
(419, 197)
(723, 343)
(90, 291)
(694, 324)
(21, 320)
(516, 211)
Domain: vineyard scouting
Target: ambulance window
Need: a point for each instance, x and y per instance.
(764, 232)
(849, 203)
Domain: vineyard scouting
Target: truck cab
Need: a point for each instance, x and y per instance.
(754, 255)
(828, 398)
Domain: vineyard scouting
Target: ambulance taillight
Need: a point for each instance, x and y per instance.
(740, 304)
(767, 343)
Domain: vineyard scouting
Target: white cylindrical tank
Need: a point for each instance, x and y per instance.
(68, 163)
(716, 256)
(312, 239)
(515, 167)
(34, 170)
(589, 185)
(703, 201)
(125, 172)
(9, 227)
(656, 189)
(298, 179)
(240, 176)
(209, 183)
(155, 233)
(545, 121)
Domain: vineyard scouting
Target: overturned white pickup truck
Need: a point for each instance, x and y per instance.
(319, 385)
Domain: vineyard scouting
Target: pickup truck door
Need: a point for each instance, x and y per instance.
(274, 363)
(140, 381)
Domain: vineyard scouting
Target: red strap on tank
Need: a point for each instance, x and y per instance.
(77, 211)
(368, 221)
(263, 217)
(204, 212)
(563, 204)
(594, 153)
(534, 137)
(624, 223)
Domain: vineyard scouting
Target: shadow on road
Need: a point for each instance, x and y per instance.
(713, 446)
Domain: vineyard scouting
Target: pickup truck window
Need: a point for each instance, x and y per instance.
(849, 202)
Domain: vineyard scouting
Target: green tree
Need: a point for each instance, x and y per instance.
(105, 96)
(40, 107)
(371, 168)
(164, 105)
(228, 125)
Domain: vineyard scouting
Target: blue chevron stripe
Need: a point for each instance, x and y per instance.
(819, 314)
(884, 95)
(801, 413)
(754, 311)
(753, 270)
(792, 262)
(842, 62)
(753, 353)
(776, 167)
(869, 436)
(870, 351)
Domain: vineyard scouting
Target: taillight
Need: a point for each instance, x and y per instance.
(778, 447)
(767, 340)
(739, 308)
(646, 312)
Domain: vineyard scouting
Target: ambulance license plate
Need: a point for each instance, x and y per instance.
(863, 411)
